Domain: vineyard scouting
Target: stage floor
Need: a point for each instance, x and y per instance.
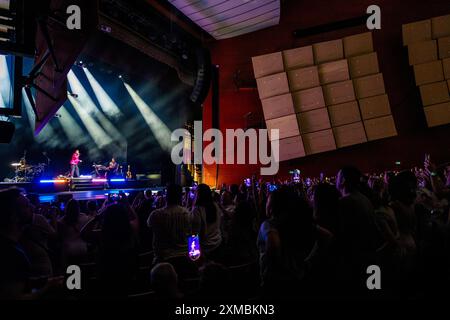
(80, 189)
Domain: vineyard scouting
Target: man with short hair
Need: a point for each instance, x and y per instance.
(171, 226)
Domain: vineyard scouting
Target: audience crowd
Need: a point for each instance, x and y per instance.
(311, 238)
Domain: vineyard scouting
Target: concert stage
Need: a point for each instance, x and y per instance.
(83, 188)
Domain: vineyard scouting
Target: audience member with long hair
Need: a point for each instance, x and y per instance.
(207, 216)
(284, 242)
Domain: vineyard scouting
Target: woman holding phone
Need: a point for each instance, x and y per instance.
(207, 217)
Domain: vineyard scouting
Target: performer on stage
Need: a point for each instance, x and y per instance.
(112, 168)
(74, 164)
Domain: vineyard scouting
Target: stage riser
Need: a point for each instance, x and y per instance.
(77, 185)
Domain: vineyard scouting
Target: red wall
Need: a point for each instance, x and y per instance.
(414, 137)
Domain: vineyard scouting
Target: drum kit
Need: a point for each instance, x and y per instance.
(26, 172)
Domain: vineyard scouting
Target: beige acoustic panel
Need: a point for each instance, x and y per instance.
(273, 85)
(287, 126)
(303, 78)
(448, 84)
(428, 72)
(441, 26)
(267, 64)
(416, 32)
(298, 58)
(434, 93)
(291, 148)
(422, 52)
(312, 121)
(340, 92)
(350, 134)
(358, 44)
(446, 66)
(444, 47)
(320, 141)
(309, 99)
(344, 113)
(278, 106)
(365, 65)
(328, 51)
(437, 114)
(375, 107)
(335, 71)
(379, 128)
(369, 86)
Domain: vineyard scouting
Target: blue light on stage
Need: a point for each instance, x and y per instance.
(46, 199)
(53, 181)
(117, 180)
(116, 192)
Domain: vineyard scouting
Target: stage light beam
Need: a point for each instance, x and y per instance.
(97, 133)
(72, 130)
(159, 129)
(108, 106)
(85, 100)
(108, 130)
(5, 82)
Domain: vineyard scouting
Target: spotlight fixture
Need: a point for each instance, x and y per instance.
(120, 76)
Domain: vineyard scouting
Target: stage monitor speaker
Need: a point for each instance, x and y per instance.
(203, 77)
(6, 131)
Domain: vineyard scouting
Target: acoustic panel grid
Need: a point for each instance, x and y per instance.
(428, 43)
(325, 96)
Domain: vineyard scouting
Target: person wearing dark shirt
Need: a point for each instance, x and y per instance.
(16, 213)
(357, 234)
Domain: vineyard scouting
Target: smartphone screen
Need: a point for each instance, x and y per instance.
(194, 247)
